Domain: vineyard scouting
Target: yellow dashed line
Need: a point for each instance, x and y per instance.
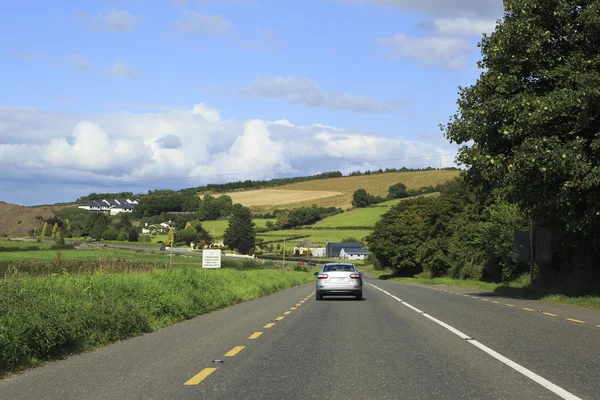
(269, 325)
(298, 305)
(598, 326)
(484, 300)
(293, 308)
(279, 318)
(234, 351)
(528, 309)
(496, 302)
(509, 305)
(302, 301)
(255, 335)
(202, 375)
(576, 320)
(287, 312)
(550, 314)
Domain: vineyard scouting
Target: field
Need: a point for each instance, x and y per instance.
(108, 254)
(317, 236)
(219, 226)
(257, 198)
(22, 244)
(335, 192)
(359, 217)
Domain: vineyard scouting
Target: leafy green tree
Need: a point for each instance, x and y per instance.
(530, 124)
(98, 223)
(123, 235)
(133, 234)
(110, 234)
(397, 191)
(240, 234)
(361, 198)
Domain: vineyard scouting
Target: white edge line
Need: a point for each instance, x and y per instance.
(524, 371)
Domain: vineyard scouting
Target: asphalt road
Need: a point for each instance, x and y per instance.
(401, 342)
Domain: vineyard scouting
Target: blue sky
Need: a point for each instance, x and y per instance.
(134, 94)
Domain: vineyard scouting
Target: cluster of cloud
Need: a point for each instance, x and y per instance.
(450, 27)
(183, 148)
(307, 92)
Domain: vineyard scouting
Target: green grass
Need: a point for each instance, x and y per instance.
(68, 255)
(391, 203)
(353, 218)
(518, 288)
(317, 236)
(22, 244)
(42, 318)
(221, 224)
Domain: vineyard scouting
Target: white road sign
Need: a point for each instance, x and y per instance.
(211, 258)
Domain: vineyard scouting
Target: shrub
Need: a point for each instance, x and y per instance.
(145, 238)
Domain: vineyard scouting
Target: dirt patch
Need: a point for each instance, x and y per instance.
(18, 220)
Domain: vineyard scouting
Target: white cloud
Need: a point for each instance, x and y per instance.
(306, 92)
(196, 22)
(115, 21)
(182, 149)
(25, 56)
(450, 51)
(121, 70)
(464, 26)
(443, 8)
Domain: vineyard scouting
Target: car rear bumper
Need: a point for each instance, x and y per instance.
(341, 290)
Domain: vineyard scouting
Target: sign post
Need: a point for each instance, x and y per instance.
(211, 259)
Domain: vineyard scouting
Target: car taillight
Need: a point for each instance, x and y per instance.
(355, 276)
(322, 276)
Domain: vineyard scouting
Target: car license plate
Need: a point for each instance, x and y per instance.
(339, 279)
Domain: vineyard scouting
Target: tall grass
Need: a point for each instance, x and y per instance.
(48, 316)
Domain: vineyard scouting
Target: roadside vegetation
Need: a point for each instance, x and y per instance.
(48, 317)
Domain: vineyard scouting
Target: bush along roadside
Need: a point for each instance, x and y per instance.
(43, 318)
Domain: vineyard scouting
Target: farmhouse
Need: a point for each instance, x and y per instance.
(111, 207)
(304, 246)
(333, 250)
(163, 227)
(354, 254)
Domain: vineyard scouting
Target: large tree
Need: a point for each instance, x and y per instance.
(240, 234)
(531, 123)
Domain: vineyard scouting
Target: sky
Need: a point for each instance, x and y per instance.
(134, 95)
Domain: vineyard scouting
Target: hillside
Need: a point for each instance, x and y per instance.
(335, 192)
(18, 220)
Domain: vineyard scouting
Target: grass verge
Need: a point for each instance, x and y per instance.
(518, 288)
(43, 318)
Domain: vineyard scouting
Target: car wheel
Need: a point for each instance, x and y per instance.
(319, 296)
(358, 296)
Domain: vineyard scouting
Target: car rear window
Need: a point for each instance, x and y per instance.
(344, 268)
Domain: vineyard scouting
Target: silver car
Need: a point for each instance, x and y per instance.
(339, 279)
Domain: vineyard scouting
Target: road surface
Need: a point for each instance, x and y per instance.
(401, 342)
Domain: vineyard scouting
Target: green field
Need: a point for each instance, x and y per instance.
(366, 217)
(113, 254)
(317, 236)
(219, 226)
(22, 244)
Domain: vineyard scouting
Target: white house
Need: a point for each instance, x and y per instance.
(163, 227)
(111, 207)
(304, 246)
(354, 254)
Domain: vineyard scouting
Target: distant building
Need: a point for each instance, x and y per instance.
(111, 207)
(333, 250)
(318, 252)
(354, 254)
(304, 246)
(163, 227)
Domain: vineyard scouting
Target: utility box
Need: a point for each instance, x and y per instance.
(521, 254)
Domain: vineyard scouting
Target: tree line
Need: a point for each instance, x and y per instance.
(528, 131)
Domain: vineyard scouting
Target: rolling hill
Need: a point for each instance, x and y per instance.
(335, 192)
(18, 220)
